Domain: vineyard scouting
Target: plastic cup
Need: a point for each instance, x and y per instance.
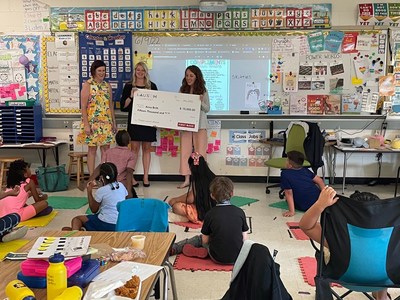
(138, 241)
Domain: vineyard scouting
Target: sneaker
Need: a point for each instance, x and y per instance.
(15, 234)
(192, 251)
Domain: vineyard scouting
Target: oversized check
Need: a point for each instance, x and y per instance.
(166, 110)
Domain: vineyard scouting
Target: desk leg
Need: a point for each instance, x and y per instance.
(165, 283)
(344, 171)
(57, 156)
(44, 157)
(168, 265)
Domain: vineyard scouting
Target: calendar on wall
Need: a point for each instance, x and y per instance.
(116, 52)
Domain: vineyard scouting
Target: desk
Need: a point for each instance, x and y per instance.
(350, 150)
(157, 248)
(38, 146)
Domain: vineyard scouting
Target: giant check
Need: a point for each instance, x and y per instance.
(166, 110)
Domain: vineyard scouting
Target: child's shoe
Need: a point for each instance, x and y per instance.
(15, 234)
(192, 251)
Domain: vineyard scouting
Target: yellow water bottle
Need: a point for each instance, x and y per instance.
(71, 293)
(56, 276)
(17, 290)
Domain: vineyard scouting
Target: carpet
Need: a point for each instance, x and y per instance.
(11, 246)
(189, 225)
(88, 211)
(242, 201)
(183, 262)
(308, 267)
(39, 221)
(63, 202)
(296, 231)
(282, 205)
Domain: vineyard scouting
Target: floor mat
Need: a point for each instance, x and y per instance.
(183, 262)
(63, 202)
(11, 246)
(282, 205)
(296, 231)
(189, 225)
(241, 201)
(308, 267)
(39, 221)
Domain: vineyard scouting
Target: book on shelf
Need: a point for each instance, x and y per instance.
(332, 104)
(316, 104)
(351, 104)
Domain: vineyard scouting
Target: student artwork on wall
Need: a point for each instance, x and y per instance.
(169, 142)
(19, 68)
(115, 50)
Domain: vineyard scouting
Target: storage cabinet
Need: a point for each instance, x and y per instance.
(19, 124)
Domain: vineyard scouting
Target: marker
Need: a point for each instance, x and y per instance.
(290, 234)
(274, 218)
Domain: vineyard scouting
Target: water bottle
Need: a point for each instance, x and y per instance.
(71, 293)
(56, 276)
(17, 290)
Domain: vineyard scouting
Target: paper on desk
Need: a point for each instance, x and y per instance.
(126, 269)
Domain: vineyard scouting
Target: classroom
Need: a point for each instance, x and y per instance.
(266, 66)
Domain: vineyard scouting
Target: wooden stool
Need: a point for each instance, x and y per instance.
(4, 164)
(78, 159)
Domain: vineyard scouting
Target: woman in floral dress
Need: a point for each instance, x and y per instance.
(98, 120)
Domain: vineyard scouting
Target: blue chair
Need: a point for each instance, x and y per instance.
(142, 215)
(147, 215)
(364, 242)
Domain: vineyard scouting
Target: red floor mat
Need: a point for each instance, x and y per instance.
(189, 225)
(183, 262)
(296, 231)
(308, 267)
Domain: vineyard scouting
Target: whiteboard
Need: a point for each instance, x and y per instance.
(240, 69)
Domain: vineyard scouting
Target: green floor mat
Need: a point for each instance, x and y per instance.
(281, 205)
(241, 201)
(88, 211)
(63, 202)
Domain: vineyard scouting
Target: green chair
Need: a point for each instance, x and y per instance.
(294, 142)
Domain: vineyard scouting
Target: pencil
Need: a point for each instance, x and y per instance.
(71, 233)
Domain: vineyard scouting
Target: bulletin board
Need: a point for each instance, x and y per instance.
(256, 71)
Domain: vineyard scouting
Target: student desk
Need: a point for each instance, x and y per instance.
(349, 150)
(38, 146)
(157, 247)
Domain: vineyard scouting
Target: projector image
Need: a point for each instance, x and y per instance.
(213, 6)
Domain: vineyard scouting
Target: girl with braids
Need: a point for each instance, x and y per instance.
(197, 201)
(103, 203)
(19, 175)
(193, 83)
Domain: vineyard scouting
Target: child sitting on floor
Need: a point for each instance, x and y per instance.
(224, 228)
(124, 160)
(19, 174)
(301, 186)
(104, 202)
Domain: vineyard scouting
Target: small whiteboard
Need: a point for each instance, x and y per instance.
(166, 110)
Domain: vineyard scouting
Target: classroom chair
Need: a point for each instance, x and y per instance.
(364, 242)
(294, 140)
(147, 215)
(255, 275)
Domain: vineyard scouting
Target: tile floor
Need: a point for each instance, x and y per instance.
(269, 228)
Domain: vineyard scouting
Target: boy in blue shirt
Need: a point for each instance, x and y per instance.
(301, 186)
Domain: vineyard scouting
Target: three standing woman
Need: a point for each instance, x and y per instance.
(139, 134)
(193, 83)
(98, 124)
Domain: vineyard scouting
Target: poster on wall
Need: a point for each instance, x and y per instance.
(115, 50)
(36, 16)
(379, 14)
(20, 68)
(60, 67)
